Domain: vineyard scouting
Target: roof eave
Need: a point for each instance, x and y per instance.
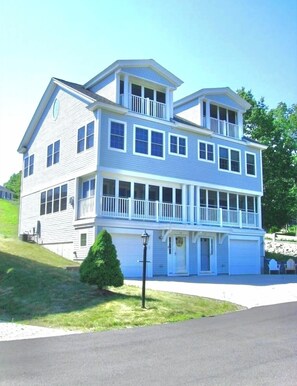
(101, 105)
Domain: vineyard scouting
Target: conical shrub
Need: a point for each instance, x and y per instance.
(101, 266)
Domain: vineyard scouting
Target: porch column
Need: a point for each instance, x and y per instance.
(240, 124)
(126, 91)
(207, 114)
(259, 207)
(192, 209)
(197, 204)
(184, 203)
(169, 104)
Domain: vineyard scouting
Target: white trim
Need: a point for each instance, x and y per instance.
(150, 130)
(173, 235)
(198, 151)
(255, 164)
(125, 135)
(213, 256)
(229, 160)
(178, 137)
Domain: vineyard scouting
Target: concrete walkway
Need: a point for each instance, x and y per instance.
(15, 331)
(246, 290)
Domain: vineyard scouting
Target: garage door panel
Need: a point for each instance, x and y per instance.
(129, 252)
(244, 257)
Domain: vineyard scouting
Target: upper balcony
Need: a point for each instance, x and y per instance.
(145, 100)
(217, 109)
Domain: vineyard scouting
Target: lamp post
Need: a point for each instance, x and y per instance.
(145, 238)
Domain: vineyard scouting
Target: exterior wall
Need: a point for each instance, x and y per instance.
(179, 168)
(73, 115)
(56, 230)
(190, 111)
(224, 100)
(5, 194)
(222, 257)
(80, 252)
(160, 255)
(106, 88)
(193, 257)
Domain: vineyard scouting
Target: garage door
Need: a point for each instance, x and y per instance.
(244, 257)
(130, 251)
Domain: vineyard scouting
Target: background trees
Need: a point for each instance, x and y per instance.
(277, 129)
(14, 184)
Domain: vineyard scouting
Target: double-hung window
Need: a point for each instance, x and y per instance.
(53, 153)
(29, 165)
(178, 145)
(205, 151)
(250, 160)
(229, 159)
(117, 135)
(85, 137)
(149, 142)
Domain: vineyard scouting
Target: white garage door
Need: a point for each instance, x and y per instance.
(130, 251)
(244, 257)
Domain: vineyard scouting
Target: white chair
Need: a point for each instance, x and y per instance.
(290, 266)
(273, 265)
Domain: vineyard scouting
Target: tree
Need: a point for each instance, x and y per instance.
(14, 184)
(101, 266)
(277, 129)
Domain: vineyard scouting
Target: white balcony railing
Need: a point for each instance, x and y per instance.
(145, 106)
(132, 209)
(86, 207)
(223, 127)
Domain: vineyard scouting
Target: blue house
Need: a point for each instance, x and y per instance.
(5, 193)
(117, 153)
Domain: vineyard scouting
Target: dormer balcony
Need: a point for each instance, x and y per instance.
(145, 106)
(225, 128)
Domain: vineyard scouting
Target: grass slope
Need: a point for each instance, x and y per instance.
(9, 213)
(36, 289)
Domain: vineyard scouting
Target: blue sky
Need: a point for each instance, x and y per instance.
(213, 43)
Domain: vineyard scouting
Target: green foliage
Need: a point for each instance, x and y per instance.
(14, 184)
(277, 129)
(101, 266)
(9, 215)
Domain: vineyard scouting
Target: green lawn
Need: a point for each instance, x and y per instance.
(35, 288)
(9, 213)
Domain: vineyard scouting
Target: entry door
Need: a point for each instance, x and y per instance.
(206, 263)
(177, 256)
(180, 255)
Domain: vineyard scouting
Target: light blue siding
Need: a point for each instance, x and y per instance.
(190, 168)
(159, 255)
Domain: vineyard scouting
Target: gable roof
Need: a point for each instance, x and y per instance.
(204, 92)
(93, 100)
(119, 65)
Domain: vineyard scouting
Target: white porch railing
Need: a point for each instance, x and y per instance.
(86, 207)
(132, 209)
(145, 106)
(223, 127)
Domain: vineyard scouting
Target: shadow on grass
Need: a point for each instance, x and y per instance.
(30, 289)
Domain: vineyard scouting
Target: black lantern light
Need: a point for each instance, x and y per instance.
(145, 238)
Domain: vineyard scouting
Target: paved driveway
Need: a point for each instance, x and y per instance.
(246, 290)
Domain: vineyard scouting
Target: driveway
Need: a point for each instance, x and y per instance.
(248, 348)
(246, 290)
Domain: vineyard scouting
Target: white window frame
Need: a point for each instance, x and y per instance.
(125, 135)
(214, 155)
(229, 159)
(178, 138)
(149, 129)
(83, 232)
(255, 164)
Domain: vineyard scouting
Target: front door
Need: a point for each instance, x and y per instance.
(177, 255)
(207, 256)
